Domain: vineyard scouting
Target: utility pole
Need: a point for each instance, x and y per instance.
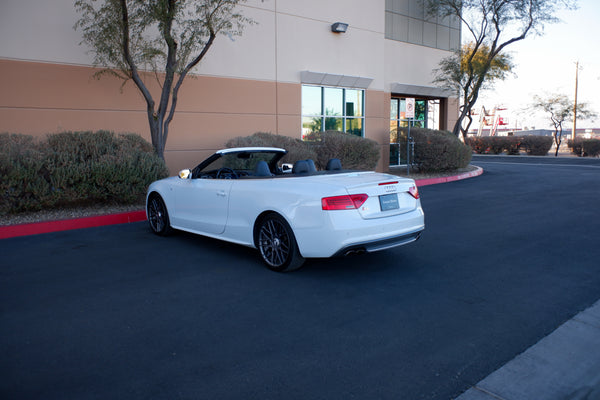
(574, 132)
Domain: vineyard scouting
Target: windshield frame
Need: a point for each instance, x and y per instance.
(244, 158)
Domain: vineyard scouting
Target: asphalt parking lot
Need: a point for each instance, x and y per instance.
(116, 312)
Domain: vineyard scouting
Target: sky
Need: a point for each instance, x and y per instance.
(546, 65)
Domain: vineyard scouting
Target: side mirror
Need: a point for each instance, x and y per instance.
(185, 174)
(286, 168)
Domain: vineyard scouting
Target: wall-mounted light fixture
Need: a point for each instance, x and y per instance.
(339, 27)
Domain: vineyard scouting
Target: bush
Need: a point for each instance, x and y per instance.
(354, 152)
(477, 144)
(439, 150)
(496, 144)
(585, 147)
(512, 145)
(536, 145)
(75, 168)
(22, 186)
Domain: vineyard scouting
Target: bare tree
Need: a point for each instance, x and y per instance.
(167, 37)
(459, 71)
(560, 108)
(495, 24)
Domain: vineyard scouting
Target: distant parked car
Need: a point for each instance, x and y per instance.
(245, 196)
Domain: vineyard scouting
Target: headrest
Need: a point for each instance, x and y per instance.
(301, 167)
(334, 164)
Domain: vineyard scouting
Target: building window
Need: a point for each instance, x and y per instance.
(407, 21)
(427, 115)
(332, 109)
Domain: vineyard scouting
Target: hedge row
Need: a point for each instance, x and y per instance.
(434, 150)
(438, 150)
(585, 147)
(75, 168)
(512, 145)
(355, 152)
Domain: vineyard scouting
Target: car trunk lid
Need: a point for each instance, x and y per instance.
(388, 194)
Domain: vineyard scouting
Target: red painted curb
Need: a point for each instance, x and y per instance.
(136, 216)
(68, 224)
(446, 179)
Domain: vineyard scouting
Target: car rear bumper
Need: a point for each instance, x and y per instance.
(380, 244)
(339, 232)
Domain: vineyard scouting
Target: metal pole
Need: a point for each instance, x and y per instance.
(398, 144)
(408, 147)
(574, 132)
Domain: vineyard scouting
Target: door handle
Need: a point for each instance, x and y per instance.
(221, 194)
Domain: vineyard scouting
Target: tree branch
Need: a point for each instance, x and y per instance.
(129, 60)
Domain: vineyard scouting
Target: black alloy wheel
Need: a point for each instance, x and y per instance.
(277, 244)
(158, 217)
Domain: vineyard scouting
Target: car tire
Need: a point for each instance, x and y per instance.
(277, 244)
(158, 216)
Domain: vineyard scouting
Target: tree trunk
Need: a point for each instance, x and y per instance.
(557, 140)
(156, 134)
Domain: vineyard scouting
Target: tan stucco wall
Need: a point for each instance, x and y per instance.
(40, 98)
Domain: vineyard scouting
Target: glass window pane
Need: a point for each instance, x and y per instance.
(400, 27)
(354, 126)
(394, 109)
(311, 124)
(416, 9)
(354, 101)
(334, 124)
(389, 18)
(311, 100)
(415, 31)
(393, 131)
(420, 109)
(429, 34)
(333, 101)
(402, 109)
(443, 37)
(433, 114)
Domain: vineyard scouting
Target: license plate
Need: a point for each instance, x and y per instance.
(389, 202)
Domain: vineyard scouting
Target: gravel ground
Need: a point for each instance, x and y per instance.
(105, 209)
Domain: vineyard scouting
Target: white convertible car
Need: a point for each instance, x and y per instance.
(289, 213)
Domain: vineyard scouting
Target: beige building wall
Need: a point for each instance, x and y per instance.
(245, 85)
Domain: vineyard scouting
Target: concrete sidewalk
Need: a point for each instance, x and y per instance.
(564, 365)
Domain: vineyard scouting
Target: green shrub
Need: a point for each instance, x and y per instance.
(439, 150)
(297, 149)
(22, 174)
(585, 147)
(536, 145)
(354, 152)
(74, 168)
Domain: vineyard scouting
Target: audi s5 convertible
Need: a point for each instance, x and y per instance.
(287, 212)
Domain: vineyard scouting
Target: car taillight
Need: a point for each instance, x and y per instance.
(350, 202)
(414, 192)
